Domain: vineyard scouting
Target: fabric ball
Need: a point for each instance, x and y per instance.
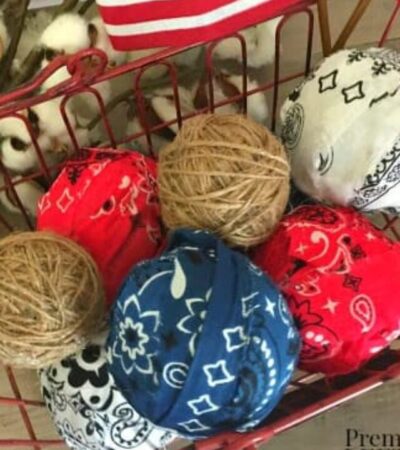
(90, 412)
(51, 299)
(338, 274)
(342, 133)
(107, 202)
(201, 340)
(226, 174)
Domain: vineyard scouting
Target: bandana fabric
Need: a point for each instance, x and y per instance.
(107, 202)
(89, 411)
(338, 274)
(201, 340)
(342, 132)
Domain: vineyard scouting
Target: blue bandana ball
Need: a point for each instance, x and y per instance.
(201, 340)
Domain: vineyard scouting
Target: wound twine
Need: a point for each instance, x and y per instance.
(226, 174)
(51, 299)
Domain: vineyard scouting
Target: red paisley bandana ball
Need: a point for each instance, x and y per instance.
(107, 202)
(341, 278)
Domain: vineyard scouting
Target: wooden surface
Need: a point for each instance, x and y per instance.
(374, 412)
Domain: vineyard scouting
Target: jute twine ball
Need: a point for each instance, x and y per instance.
(226, 174)
(51, 299)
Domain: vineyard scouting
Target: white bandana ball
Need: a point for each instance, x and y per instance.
(90, 412)
(341, 128)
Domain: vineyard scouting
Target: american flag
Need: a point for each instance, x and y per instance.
(139, 24)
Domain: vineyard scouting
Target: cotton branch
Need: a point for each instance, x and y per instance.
(6, 63)
(85, 7)
(31, 64)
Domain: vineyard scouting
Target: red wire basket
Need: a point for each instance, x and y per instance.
(308, 394)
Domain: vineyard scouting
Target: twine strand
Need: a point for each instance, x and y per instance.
(226, 174)
(51, 299)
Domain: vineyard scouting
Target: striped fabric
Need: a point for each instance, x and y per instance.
(139, 24)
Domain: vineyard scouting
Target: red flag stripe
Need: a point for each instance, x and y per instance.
(193, 32)
(158, 10)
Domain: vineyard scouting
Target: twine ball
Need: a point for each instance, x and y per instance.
(226, 174)
(51, 299)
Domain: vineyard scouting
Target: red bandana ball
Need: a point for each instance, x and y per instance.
(341, 278)
(107, 202)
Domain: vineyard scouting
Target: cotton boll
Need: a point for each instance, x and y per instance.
(56, 78)
(227, 86)
(57, 40)
(29, 194)
(140, 143)
(62, 147)
(68, 33)
(27, 161)
(161, 108)
(99, 39)
(51, 124)
(82, 137)
(257, 107)
(4, 36)
(88, 103)
(11, 126)
(18, 155)
(264, 51)
(230, 48)
(153, 72)
(187, 58)
(260, 45)
(17, 152)
(221, 89)
(164, 105)
(50, 118)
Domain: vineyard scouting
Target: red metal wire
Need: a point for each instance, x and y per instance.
(9, 184)
(209, 65)
(34, 443)
(277, 83)
(390, 24)
(11, 401)
(309, 394)
(234, 99)
(364, 382)
(22, 408)
(141, 102)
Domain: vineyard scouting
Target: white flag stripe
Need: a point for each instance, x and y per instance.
(124, 2)
(184, 23)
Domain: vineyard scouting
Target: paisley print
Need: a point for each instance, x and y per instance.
(90, 412)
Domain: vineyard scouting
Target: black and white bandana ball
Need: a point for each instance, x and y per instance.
(89, 411)
(341, 128)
